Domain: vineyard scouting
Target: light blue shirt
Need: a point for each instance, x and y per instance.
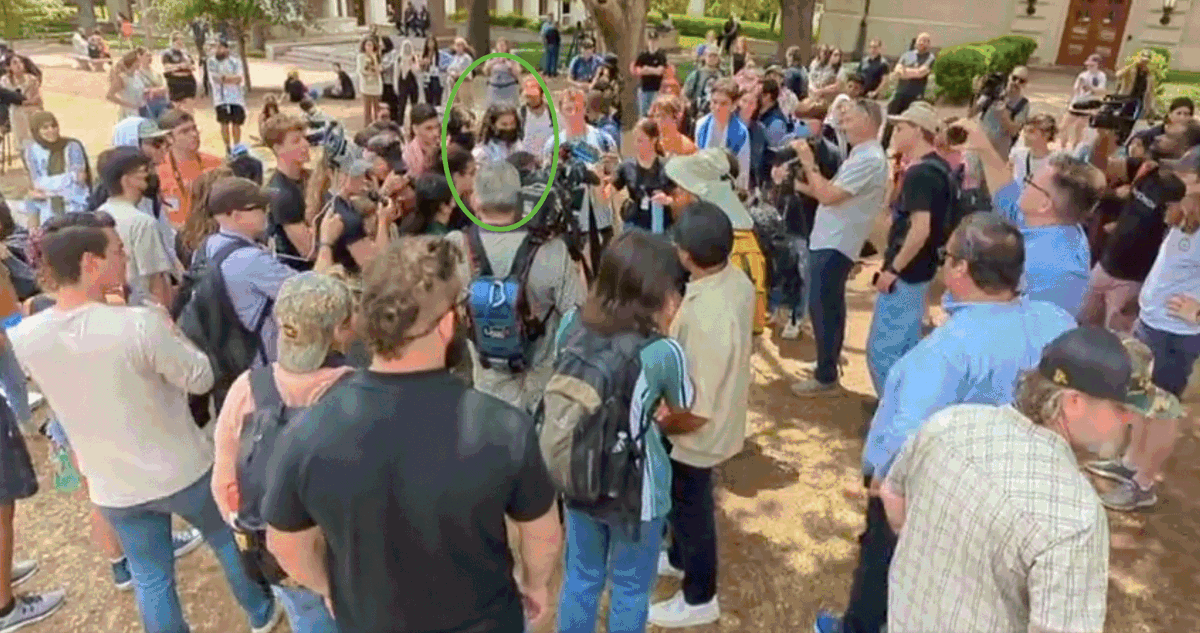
(1057, 265)
(67, 185)
(1176, 271)
(253, 278)
(960, 363)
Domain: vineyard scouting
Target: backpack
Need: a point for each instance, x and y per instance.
(773, 239)
(207, 317)
(501, 326)
(595, 460)
(963, 202)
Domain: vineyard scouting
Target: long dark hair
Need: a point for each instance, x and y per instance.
(487, 128)
(432, 192)
(637, 274)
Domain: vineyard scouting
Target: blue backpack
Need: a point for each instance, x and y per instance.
(501, 325)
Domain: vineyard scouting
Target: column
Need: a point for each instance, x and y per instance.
(695, 8)
(376, 11)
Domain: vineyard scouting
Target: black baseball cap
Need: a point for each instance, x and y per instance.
(236, 194)
(1090, 360)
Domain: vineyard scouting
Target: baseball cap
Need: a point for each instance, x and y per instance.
(236, 194)
(1091, 360)
(308, 309)
(531, 86)
(148, 129)
(1188, 163)
(1144, 396)
(498, 183)
(920, 114)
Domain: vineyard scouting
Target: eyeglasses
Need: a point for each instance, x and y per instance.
(1019, 80)
(944, 254)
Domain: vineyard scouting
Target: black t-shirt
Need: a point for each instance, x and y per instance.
(657, 59)
(1132, 246)
(1139, 84)
(553, 36)
(287, 207)
(346, 83)
(410, 476)
(295, 89)
(353, 230)
(924, 188)
(642, 184)
(914, 88)
(873, 70)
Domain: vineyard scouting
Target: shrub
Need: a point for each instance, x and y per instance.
(1011, 51)
(1159, 65)
(30, 18)
(956, 67)
(697, 27)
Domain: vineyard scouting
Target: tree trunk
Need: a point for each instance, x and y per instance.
(621, 24)
(87, 14)
(241, 42)
(795, 20)
(478, 28)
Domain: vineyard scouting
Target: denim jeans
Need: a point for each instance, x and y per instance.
(895, 328)
(694, 531)
(593, 548)
(645, 99)
(1174, 356)
(306, 612)
(867, 610)
(550, 60)
(828, 271)
(12, 381)
(799, 294)
(145, 534)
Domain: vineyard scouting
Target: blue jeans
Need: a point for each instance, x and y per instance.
(800, 286)
(306, 612)
(593, 548)
(895, 328)
(828, 270)
(645, 99)
(1174, 356)
(550, 60)
(12, 381)
(145, 534)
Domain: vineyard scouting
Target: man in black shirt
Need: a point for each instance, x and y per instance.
(912, 70)
(873, 69)
(918, 226)
(293, 240)
(390, 497)
(1131, 242)
(649, 66)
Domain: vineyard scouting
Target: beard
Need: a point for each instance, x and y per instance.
(507, 136)
(222, 55)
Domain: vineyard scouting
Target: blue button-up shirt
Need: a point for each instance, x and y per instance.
(975, 358)
(1057, 260)
(253, 278)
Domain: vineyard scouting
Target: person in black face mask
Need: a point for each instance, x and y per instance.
(498, 135)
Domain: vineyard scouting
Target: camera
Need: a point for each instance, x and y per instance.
(558, 215)
(991, 91)
(1115, 113)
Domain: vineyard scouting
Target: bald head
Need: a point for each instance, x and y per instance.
(924, 42)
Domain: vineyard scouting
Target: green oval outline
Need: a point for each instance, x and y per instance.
(445, 144)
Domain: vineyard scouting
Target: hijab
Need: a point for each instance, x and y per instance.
(57, 151)
(833, 121)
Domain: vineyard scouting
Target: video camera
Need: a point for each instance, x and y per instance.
(558, 216)
(991, 91)
(1113, 112)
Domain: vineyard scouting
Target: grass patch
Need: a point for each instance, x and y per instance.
(1183, 77)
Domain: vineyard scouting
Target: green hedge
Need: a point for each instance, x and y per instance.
(956, 67)
(698, 27)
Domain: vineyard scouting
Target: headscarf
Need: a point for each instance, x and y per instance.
(58, 153)
(833, 121)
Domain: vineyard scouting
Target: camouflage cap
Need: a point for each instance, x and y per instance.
(308, 309)
(1144, 396)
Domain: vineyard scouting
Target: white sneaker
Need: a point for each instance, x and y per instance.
(791, 331)
(665, 568)
(676, 613)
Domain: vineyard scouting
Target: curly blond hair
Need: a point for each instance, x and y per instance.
(406, 290)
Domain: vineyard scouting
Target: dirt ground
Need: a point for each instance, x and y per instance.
(789, 509)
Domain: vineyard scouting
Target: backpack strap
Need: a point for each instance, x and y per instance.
(219, 258)
(478, 256)
(264, 389)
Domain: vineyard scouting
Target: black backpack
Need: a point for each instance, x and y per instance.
(963, 202)
(594, 459)
(206, 316)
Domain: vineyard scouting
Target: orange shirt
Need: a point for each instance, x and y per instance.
(678, 145)
(179, 194)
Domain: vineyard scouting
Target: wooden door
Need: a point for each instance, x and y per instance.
(1093, 26)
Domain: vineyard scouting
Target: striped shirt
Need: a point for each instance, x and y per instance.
(996, 506)
(664, 377)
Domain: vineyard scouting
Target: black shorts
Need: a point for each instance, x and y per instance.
(181, 87)
(231, 113)
(17, 477)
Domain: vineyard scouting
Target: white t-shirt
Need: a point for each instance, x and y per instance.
(844, 227)
(1024, 163)
(1176, 271)
(538, 130)
(226, 94)
(1097, 79)
(118, 379)
(146, 251)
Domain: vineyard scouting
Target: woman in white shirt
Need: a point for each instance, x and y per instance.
(1028, 157)
(1089, 86)
(58, 170)
(370, 81)
(126, 84)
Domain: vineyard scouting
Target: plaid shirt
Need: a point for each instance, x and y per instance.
(998, 512)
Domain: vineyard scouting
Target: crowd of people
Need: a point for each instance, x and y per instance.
(365, 399)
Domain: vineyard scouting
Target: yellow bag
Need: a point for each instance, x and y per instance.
(749, 257)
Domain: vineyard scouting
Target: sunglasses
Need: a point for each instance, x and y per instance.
(1019, 80)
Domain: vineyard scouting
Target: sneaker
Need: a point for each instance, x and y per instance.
(666, 569)
(810, 387)
(676, 613)
(23, 570)
(1113, 469)
(827, 622)
(1129, 496)
(273, 621)
(30, 608)
(791, 331)
(186, 541)
(122, 577)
